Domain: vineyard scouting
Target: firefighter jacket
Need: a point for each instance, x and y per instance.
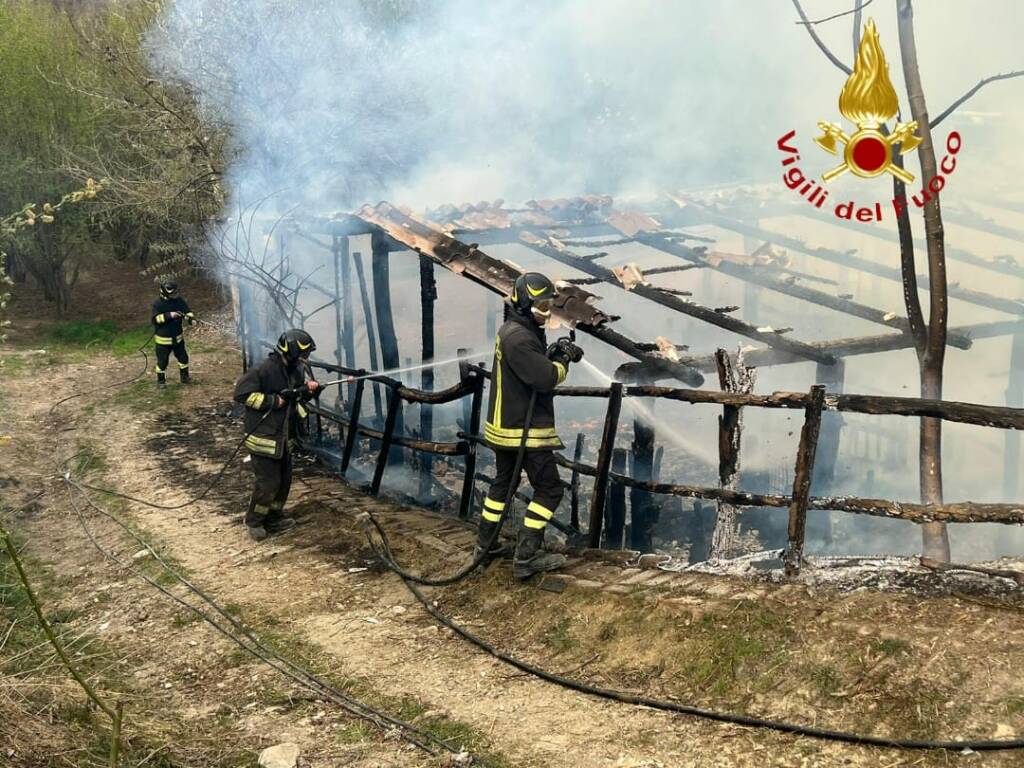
(167, 331)
(520, 369)
(268, 427)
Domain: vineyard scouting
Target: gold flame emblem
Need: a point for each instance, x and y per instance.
(868, 100)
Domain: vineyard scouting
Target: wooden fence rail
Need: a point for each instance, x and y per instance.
(798, 502)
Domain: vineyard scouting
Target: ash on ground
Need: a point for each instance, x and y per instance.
(999, 579)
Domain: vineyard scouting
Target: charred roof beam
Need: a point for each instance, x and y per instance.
(554, 250)
(758, 276)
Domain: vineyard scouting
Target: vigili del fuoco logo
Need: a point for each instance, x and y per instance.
(867, 100)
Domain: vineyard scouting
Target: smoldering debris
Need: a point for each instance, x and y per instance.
(1002, 579)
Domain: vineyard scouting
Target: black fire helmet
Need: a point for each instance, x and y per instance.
(168, 290)
(294, 344)
(533, 291)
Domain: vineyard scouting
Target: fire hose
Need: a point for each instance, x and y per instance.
(411, 580)
(383, 550)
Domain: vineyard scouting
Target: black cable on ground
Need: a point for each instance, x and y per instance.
(289, 669)
(383, 550)
(252, 643)
(145, 367)
(707, 714)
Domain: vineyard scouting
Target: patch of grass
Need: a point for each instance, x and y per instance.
(355, 732)
(891, 646)
(81, 332)
(826, 678)
(102, 334)
(1014, 704)
(13, 365)
(721, 650)
(557, 636)
(143, 396)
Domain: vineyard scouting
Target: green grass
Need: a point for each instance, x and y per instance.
(97, 334)
(891, 646)
(557, 636)
(827, 679)
(1015, 704)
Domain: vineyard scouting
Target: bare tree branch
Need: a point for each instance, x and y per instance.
(981, 84)
(855, 10)
(857, 26)
(809, 26)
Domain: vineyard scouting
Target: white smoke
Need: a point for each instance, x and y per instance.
(333, 104)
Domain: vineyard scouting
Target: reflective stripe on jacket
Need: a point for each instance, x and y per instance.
(257, 391)
(521, 368)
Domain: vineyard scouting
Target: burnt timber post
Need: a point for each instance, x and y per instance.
(615, 508)
(574, 483)
(348, 329)
(793, 557)
(641, 504)
(371, 332)
(385, 318)
(353, 424)
(428, 295)
(832, 378)
(1014, 399)
(604, 461)
(390, 422)
(732, 377)
(472, 430)
(339, 325)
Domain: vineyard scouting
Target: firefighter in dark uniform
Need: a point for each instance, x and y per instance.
(169, 312)
(525, 365)
(273, 393)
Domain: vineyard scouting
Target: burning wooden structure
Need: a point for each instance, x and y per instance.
(454, 237)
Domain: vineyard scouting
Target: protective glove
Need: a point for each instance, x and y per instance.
(307, 393)
(291, 395)
(564, 352)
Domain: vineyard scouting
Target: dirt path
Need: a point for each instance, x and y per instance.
(886, 664)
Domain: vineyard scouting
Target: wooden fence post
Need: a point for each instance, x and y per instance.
(604, 462)
(731, 378)
(615, 511)
(394, 406)
(794, 554)
(353, 423)
(371, 331)
(428, 295)
(385, 318)
(574, 484)
(472, 429)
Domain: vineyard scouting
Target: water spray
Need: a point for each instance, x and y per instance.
(350, 379)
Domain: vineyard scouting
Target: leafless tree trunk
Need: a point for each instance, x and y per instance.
(932, 353)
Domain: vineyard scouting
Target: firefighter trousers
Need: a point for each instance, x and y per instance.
(163, 356)
(542, 472)
(273, 481)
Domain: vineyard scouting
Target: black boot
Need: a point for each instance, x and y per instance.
(530, 555)
(277, 521)
(255, 518)
(161, 380)
(185, 378)
(483, 535)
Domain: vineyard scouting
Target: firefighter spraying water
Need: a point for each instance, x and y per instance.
(521, 418)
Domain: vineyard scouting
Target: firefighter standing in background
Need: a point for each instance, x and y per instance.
(169, 312)
(523, 366)
(273, 393)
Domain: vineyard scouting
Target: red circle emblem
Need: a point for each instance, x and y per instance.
(870, 153)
